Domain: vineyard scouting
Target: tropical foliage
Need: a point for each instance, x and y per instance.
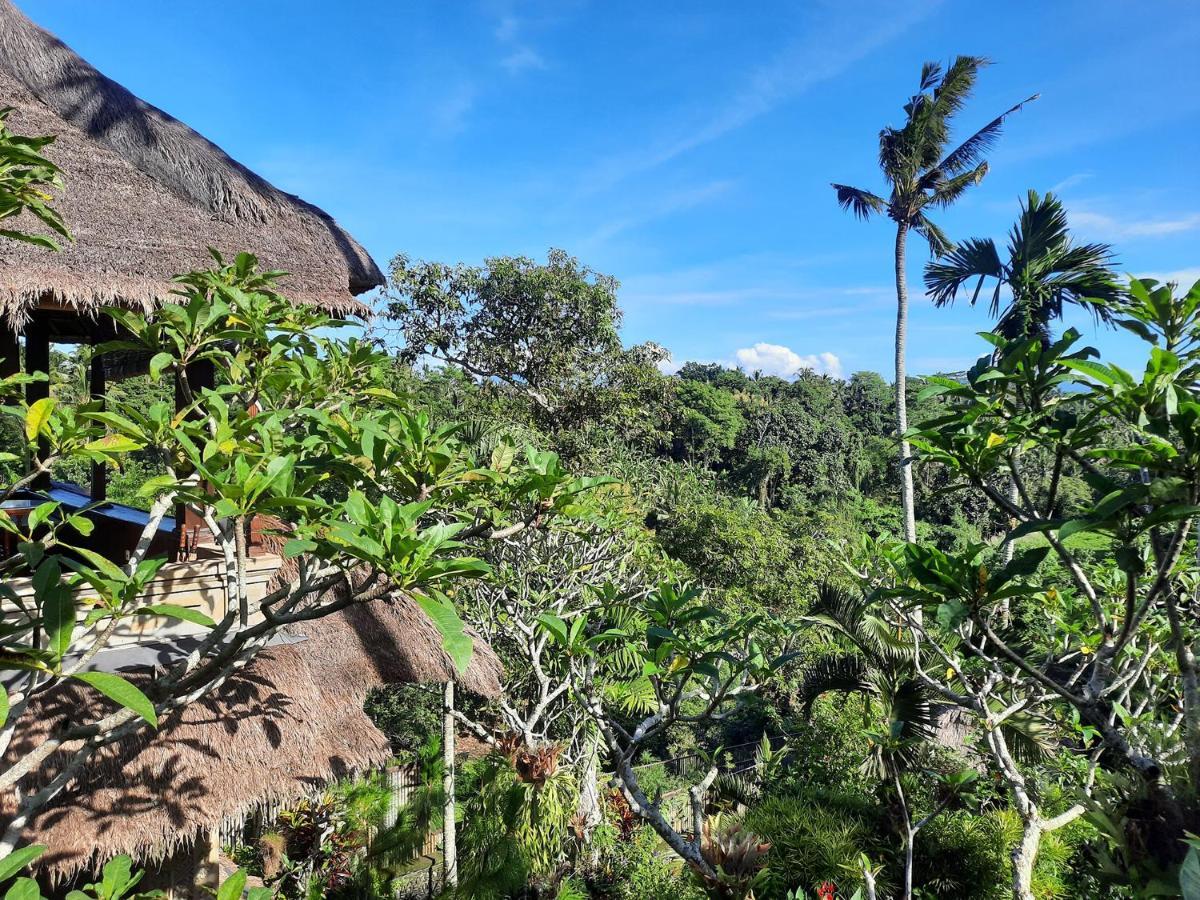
(769, 642)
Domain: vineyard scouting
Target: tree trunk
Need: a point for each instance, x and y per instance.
(909, 837)
(908, 868)
(589, 810)
(1024, 855)
(906, 478)
(449, 835)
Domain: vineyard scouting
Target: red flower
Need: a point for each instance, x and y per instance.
(826, 890)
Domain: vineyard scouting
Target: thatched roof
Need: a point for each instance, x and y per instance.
(289, 723)
(146, 195)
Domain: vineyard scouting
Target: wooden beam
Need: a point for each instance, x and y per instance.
(37, 359)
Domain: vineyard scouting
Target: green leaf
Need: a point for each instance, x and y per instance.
(1034, 527)
(233, 886)
(24, 889)
(37, 417)
(951, 615)
(1074, 526)
(19, 859)
(158, 362)
(114, 443)
(172, 611)
(555, 626)
(82, 524)
(58, 615)
(156, 485)
(121, 692)
(296, 546)
(41, 513)
(457, 643)
(1189, 875)
(260, 893)
(107, 567)
(3, 712)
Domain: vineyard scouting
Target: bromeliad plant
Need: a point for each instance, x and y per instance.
(367, 497)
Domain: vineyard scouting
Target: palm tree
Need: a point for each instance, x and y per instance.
(1045, 270)
(880, 666)
(923, 176)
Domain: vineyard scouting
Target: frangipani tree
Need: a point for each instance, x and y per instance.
(665, 658)
(1106, 654)
(300, 426)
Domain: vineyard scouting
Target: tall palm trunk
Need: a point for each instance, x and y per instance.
(906, 479)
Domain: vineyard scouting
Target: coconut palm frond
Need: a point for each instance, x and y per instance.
(885, 640)
(861, 203)
(633, 696)
(913, 713)
(931, 74)
(847, 674)
(735, 789)
(975, 259)
(945, 191)
(894, 155)
(1040, 231)
(939, 243)
(955, 87)
(840, 607)
(1044, 272)
(970, 152)
(1029, 738)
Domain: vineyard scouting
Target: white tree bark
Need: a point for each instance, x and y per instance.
(449, 826)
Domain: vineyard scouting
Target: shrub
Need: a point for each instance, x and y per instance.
(814, 836)
(406, 713)
(638, 868)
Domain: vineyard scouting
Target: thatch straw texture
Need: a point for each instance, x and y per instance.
(287, 724)
(146, 195)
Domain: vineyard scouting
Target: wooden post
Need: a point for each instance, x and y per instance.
(37, 359)
(449, 836)
(96, 388)
(10, 351)
(208, 863)
(199, 375)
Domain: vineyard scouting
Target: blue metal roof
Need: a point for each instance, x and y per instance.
(72, 496)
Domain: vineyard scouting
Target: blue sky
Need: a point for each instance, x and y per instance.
(687, 147)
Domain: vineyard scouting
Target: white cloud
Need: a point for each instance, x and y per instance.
(1111, 226)
(1070, 181)
(449, 116)
(1185, 278)
(659, 208)
(669, 366)
(775, 359)
(521, 60)
(507, 27)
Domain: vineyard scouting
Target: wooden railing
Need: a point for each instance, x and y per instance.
(197, 584)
